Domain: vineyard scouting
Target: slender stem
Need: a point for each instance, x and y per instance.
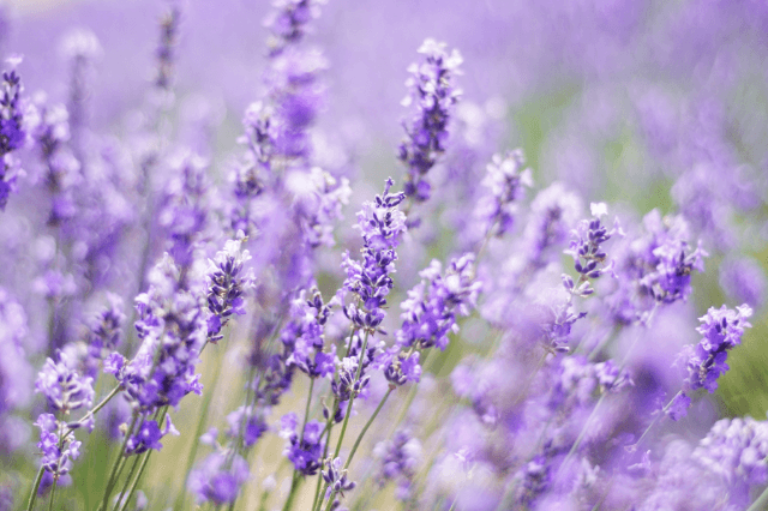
(760, 503)
(121, 496)
(351, 398)
(365, 428)
(656, 419)
(120, 456)
(182, 495)
(161, 413)
(408, 401)
(53, 494)
(95, 409)
(328, 426)
(35, 487)
(295, 480)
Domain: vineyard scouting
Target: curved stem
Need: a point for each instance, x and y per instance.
(760, 503)
(35, 487)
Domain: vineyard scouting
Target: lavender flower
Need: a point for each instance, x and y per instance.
(169, 28)
(172, 331)
(336, 478)
(63, 387)
(303, 336)
(736, 449)
(246, 423)
(435, 96)
(382, 225)
(588, 255)
(148, 436)
(185, 210)
(722, 330)
(58, 450)
(15, 371)
(304, 449)
(398, 460)
(228, 285)
(429, 315)
(288, 22)
(218, 478)
(12, 132)
(506, 179)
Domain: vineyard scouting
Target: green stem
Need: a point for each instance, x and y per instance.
(760, 503)
(120, 457)
(656, 419)
(162, 414)
(35, 487)
(121, 495)
(95, 409)
(295, 481)
(53, 494)
(328, 426)
(181, 497)
(365, 428)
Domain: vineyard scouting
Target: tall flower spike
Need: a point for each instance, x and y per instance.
(288, 22)
(58, 451)
(434, 95)
(382, 225)
(722, 330)
(590, 259)
(228, 284)
(169, 33)
(506, 180)
(12, 133)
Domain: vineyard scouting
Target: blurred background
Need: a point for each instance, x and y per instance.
(642, 104)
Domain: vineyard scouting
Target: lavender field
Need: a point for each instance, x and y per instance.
(384, 255)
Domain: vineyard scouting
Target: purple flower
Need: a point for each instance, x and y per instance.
(227, 287)
(63, 386)
(336, 478)
(722, 330)
(148, 436)
(305, 451)
(590, 258)
(218, 478)
(288, 22)
(15, 371)
(12, 131)
(58, 451)
(171, 326)
(398, 461)
(506, 181)
(169, 28)
(435, 96)
(736, 449)
(250, 421)
(382, 226)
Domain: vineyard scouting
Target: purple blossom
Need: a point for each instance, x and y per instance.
(434, 95)
(382, 226)
(227, 287)
(218, 478)
(63, 386)
(398, 460)
(590, 258)
(506, 180)
(165, 53)
(303, 336)
(250, 422)
(58, 450)
(172, 330)
(736, 449)
(15, 371)
(13, 134)
(722, 330)
(148, 436)
(305, 449)
(349, 384)
(288, 22)
(336, 478)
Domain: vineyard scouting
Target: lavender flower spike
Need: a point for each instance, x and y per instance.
(382, 225)
(12, 133)
(435, 96)
(722, 330)
(506, 179)
(228, 284)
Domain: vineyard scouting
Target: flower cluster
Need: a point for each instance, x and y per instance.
(304, 449)
(382, 225)
(506, 180)
(434, 95)
(12, 132)
(228, 285)
(722, 329)
(398, 459)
